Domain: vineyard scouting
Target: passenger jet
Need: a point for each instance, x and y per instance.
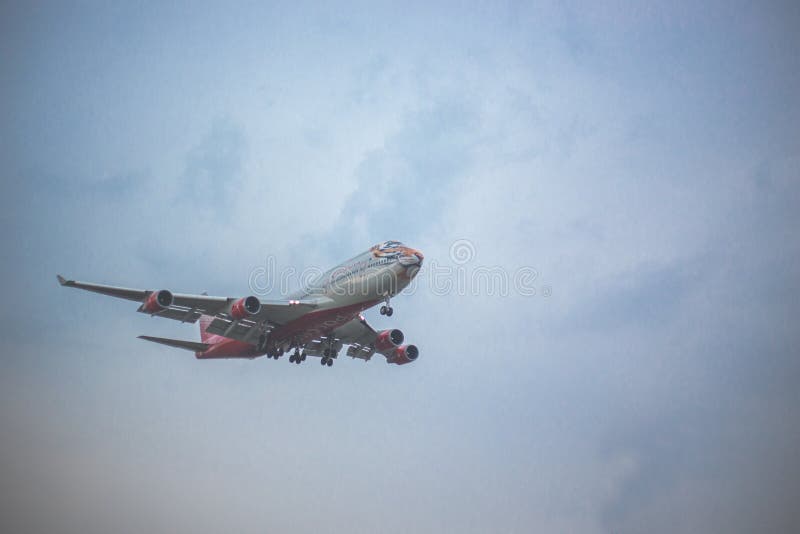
(316, 321)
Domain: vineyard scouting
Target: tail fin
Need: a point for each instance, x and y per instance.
(205, 320)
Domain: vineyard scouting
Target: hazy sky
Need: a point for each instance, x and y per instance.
(644, 160)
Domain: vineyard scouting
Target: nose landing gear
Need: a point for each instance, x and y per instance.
(386, 309)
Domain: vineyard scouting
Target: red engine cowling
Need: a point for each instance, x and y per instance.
(245, 307)
(405, 354)
(388, 340)
(157, 301)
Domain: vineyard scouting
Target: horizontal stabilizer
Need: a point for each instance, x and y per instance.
(178, 343)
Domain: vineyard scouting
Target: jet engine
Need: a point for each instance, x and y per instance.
(405, 354)
(245, 307)
(157, 301)
(388, 340)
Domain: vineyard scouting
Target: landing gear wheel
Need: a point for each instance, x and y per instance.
(291, 359)
(330, 362)
(324, 360)
(389, 311)
(383, 310)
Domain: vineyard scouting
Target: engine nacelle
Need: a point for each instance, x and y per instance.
(157, 301)
(388, 340)
(405, 354)
(245, 307)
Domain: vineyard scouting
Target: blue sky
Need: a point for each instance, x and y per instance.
(643, 159)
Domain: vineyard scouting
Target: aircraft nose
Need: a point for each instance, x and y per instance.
(411, 258)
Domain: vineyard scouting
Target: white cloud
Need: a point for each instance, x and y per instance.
(622, 159)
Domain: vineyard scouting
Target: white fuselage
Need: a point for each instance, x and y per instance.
(372, 276)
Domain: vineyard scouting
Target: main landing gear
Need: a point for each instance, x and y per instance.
(328, 354)
(386, 309)
(297, 357)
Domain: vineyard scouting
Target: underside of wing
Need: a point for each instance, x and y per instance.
(113, 291)
(163, 303)
(360, 337)
(364, 341)
(243, 319)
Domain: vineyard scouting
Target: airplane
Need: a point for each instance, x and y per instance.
(316, 321)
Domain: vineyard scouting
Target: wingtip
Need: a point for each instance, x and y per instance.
(64, 282)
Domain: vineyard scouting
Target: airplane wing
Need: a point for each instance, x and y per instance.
(238, 318)
(364, 341)
(356, 332)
